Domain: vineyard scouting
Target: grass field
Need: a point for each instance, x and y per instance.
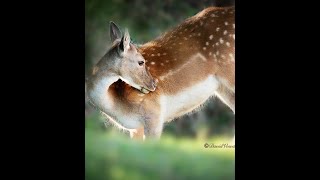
(110, 155)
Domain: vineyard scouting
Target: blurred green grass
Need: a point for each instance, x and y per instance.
(112, 155)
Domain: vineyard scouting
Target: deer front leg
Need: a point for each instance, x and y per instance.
(153, 128)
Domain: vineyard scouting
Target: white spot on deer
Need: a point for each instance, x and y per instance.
(175, 59)
(180, 32)
(161, 64)
(217, 29)
(186, 29)
(222, 56)
(212, 20)
(199, 34)
(212, 45)
(185, 38)
(201, 23)
(225, 32)
(174, 44)
(210, 53)
(152, 54)
(221, 41)
(158, 54)
(190, 35)
(228, 44)
(204, 48)
(180, 42)
(222, 12)
(226, 23)
(207, 43)
(211, 37)
(167, 61)
(164, 54)
(213, 15)
(217, 43)
(217, 53)
(153, 63)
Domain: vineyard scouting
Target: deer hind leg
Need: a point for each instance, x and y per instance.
(227, 96)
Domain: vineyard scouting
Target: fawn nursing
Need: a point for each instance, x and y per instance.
(141, 88)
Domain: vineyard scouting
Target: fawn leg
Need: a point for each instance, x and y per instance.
(137, 133)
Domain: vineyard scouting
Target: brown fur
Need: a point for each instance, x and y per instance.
(179, 54)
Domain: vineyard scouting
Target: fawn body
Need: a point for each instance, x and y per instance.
(182, 68)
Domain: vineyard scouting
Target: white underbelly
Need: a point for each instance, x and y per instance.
(181, 103)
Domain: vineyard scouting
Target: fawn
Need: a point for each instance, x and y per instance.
(141, 88)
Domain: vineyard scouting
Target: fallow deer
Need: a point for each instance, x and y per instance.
(141, 88)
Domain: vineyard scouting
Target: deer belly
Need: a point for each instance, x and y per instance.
(190, 98)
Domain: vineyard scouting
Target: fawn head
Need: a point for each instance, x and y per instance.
(125, 61)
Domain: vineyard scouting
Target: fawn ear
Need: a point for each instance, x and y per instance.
(125, 41)
(115, 32)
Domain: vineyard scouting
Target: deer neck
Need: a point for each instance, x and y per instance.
(98, 90)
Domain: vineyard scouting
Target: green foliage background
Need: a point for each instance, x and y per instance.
(180, 153)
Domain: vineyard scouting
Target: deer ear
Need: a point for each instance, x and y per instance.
(126, 40)
(115, 32)
(124, 45)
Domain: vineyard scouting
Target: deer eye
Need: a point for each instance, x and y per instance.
(140, 63)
